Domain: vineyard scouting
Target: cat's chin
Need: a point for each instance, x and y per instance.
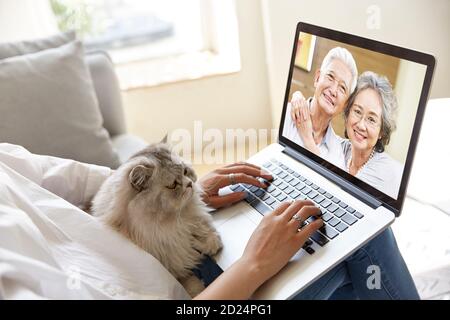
(187, 195)
(191, 197)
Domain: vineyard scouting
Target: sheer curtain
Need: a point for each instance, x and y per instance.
(26, 19)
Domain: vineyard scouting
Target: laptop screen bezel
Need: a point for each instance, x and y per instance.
(428, 60)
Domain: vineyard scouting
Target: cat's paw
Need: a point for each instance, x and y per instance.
(213, 244)
(193, 285)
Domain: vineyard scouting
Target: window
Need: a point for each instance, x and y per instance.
(168, 40)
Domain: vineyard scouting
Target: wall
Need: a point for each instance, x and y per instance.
(35, 20)
(409, 84)
(239, 100)
(419, 24)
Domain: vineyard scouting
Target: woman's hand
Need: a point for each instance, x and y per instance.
(295, 107)
(240, 172)
(277, 238)
(301, 116)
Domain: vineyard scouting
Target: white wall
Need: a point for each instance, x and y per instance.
(419, 24)
(239, 100)
(26, 19)
(408, 89)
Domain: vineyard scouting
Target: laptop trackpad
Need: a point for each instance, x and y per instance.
(235, 234)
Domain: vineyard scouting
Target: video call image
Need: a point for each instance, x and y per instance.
(354, 108)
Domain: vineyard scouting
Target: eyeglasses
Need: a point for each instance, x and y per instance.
(370, 120)
(342, 88)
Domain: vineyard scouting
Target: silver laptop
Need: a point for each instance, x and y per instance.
(355, 208)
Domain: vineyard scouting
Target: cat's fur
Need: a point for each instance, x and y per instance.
(172, 224)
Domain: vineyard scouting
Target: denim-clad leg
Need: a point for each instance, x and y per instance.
(346, 292)
(325, 286)
(357, 273)
(396, 281)
(353, 278)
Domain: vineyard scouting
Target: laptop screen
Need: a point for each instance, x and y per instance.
(352, 104)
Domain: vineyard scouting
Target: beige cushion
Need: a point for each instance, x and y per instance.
(48, 105)
(13, 49)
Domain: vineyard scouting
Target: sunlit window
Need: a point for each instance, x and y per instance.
(156, 41)
(152, 27)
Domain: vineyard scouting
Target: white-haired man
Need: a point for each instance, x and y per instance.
(333, 82)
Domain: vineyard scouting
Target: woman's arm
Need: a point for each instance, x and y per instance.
(237, 283)
(273, 243)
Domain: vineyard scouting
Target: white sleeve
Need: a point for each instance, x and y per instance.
(73, 181)
(288, 123)
(290, 129)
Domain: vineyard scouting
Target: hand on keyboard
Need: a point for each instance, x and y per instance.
(229, 175)
(277, 238)
(290, 185)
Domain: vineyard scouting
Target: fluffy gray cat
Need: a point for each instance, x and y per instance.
(153, 200)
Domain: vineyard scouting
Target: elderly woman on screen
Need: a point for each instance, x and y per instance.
(308, 121)
(369, 122)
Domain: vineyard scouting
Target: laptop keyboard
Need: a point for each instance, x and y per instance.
(286, 185)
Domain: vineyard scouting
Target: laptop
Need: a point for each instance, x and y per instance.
(354, 209)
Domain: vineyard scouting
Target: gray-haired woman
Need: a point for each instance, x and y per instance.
(369, 121)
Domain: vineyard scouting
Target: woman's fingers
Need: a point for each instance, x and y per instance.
(297, 113)
(306, 232)
(297, 95)
(226, 200)
(248, 170)
(240, 172)
(303, 210)
(296, 102)
(241, 163)
(291, 210)
(245, 178)
(302, 215)
(281, 208)
(294, 208)
(293, 115)
(298, 107)
(224, 180)
(304, 110)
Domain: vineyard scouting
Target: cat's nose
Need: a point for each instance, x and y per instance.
(189, 184)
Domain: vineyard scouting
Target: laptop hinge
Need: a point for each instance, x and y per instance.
(342, 183)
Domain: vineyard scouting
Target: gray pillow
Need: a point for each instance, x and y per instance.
(13, 49)
(48, 105)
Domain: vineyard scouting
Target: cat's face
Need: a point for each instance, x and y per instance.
(161, 179)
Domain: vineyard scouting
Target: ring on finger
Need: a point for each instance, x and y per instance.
(296, 217)
(232, 179)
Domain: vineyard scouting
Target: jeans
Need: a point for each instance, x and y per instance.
(353, 278)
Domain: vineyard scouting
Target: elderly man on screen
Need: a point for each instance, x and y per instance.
(333, 82)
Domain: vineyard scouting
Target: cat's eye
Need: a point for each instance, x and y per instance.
(185, 171)
(173, 185)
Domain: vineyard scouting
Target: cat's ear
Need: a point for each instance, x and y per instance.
(140, 175)
(191, 173)
(165, 139)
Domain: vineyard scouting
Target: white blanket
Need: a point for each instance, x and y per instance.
(51, 249)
